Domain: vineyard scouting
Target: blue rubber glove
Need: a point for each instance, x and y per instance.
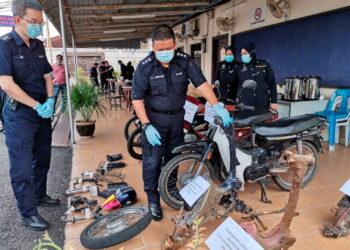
(47, 109)
(153, 135)
(223, 114)
(38, 108)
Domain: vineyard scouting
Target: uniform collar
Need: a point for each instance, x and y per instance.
(19, 41)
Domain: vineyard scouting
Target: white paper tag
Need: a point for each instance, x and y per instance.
(190, 111)
(209, 112)
(346, 188)
(229, 235)
(195, 189)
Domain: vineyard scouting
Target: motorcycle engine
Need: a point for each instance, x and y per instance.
(256, 171)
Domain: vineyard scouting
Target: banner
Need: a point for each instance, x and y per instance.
(7, 21)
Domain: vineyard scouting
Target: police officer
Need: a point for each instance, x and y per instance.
(159, 92)
(25, 77)
(226, 74)
(264, 96)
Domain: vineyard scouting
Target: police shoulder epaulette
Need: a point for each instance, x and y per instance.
(182, 55)
(6, 38)
(147, 60)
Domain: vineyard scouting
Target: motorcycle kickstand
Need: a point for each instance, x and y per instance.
(263, 190)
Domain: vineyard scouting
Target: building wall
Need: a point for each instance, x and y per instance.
(240, 10)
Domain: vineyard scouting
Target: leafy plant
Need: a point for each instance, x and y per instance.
(48, 242)
(87, 100)
(198, 237)
(81, 78)
(116, 74)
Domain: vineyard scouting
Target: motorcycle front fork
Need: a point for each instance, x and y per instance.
(299, 145)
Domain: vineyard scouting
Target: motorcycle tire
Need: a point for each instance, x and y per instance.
(128, 127)
(309, 175)
(98, 235)
(174, 199)
(134, 141)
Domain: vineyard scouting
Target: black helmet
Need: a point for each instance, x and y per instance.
(126, 196)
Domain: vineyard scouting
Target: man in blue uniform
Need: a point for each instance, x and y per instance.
(25, 77)
(159, 94)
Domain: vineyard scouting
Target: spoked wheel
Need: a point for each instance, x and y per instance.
(284, 179)
(177, 173)
(131, 126)
(135, 145)
(116, 227)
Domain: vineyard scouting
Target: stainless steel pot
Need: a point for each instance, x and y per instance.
(287, 88)
(312, 88)
(294, 88)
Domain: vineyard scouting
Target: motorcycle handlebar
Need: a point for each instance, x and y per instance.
(241, 106)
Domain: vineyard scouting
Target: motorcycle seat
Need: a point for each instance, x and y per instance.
(288, 125)
(244, 119)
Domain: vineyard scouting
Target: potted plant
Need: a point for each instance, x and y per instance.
(87, 100)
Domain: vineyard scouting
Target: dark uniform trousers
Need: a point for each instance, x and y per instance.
(28, 139)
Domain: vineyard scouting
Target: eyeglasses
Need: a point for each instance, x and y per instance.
(42, 24)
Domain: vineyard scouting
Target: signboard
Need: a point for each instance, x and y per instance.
(7, 21)
(346, 188)
(229, 235)
(258, 15)
(194, 190)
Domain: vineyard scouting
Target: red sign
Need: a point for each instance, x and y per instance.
(257, 14)
(7, 21)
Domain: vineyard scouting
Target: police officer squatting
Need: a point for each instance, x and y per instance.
(25, 78)
(159, 93)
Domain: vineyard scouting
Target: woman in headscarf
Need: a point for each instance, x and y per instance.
(264, 96)
(226, 74)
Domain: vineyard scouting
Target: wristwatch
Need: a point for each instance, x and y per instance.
(145, 125)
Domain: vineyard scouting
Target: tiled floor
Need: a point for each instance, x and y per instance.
(315, 202)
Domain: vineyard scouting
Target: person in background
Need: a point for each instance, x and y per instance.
(110, 74)
(226, 74)
(94, 75)
(264, 96)
(129, 72)
(103, 75)
(25, 77)
(122, 69)
(60, 83)
(159, 94)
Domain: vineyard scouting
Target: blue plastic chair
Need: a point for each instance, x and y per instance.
(337, 118)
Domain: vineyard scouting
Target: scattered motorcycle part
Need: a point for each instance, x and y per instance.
(121, 197)
(113, 165)
(116, 227)
(115, 157)
(83, 180)
(88, 174)
(117, 185)
(86, 188)
(341, 224)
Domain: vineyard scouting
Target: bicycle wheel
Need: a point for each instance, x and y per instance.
(116, 227)
(135, 145)
(130, 126)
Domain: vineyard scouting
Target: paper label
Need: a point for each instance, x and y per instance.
(209, 112)
(190, 111)
(194, 190)
(229, 235)
(346, 188)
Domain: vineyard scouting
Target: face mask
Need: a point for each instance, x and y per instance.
(246, 58)
(165, 56)
(58, 62)
(34, 30)
(229, 58)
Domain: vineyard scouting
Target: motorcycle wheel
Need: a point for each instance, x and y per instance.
(129, 127)
(177, 173)
(284, 180)
(135, 145)
(116, 227)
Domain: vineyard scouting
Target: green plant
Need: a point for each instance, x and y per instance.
(198, 237)
(87, 100)
(116, 74)
(48, 242)
(81, 78)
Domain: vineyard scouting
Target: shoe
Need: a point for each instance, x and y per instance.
(47, 201)
(156, 211)
(35, 222)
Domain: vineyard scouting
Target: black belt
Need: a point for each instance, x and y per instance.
(173, 112)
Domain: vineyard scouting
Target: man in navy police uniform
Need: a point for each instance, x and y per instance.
(159, 94)
(25, 77)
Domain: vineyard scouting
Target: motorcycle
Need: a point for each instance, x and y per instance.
(211, 156)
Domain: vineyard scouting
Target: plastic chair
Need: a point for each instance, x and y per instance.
(337, 118)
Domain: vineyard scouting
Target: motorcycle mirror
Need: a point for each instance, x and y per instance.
(217, 84)
(249, 84)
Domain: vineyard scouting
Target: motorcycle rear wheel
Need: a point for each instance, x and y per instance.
(130, 126)
(134, 144)
(284, 180)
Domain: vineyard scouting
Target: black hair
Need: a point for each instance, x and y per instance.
(103, 62)
(59, 55)
(163, 32)
(120, 61)
(95, 64)
(19, 7)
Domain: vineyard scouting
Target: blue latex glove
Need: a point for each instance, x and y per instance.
(223, 114)
(152, 135)
(47, 108)
(38, 108)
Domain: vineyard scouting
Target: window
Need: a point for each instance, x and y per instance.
(196, 53)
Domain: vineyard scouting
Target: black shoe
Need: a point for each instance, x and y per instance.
(35, 222)
(156, 211)
(47, 201)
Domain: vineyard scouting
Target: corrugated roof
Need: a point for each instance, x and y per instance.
(118, 23)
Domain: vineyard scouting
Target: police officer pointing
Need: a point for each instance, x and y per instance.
(159, 94)
(25, 77)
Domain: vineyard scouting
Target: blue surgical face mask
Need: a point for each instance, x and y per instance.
(229, 58)
(246, 58)
(165, 56)
(34, 30)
